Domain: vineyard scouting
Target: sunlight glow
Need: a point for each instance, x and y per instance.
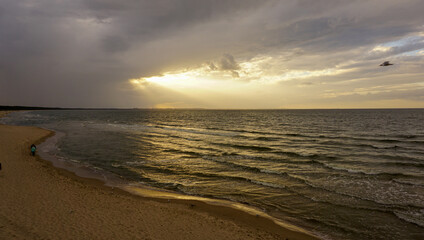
(181, 80)
(258, 71)
(381, 48)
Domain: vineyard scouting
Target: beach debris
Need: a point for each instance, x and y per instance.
(33, 148)
(386, 63)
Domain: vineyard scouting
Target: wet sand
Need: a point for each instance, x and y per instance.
(39, 201)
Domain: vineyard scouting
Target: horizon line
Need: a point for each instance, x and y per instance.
(12, 107)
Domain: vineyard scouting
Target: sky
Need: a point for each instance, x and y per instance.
(238, 54)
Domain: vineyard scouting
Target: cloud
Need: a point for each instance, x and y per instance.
(305, 84)
(212, 66)
(226, 64)
(81, 53)
(402, 46)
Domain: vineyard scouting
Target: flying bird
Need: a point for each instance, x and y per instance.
(386, 63)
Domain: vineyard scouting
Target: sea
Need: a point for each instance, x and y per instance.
(339, 174)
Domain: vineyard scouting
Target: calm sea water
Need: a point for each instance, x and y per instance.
(344, 174)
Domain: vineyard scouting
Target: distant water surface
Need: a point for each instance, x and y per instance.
(343, 174)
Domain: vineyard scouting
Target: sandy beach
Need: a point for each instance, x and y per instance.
(39, 201)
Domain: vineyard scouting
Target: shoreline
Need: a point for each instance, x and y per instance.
(176, 218)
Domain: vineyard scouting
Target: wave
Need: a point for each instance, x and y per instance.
(117, 126)
(367, 173)
(407, 136)
(409, 181)
(228, 157)
(362, 145)
(381, 206)
(258, 170)
(404, 136)
(245, 147)
(251, 147)
(416, 217)
(200, 131)
(256, 181)
(234, 165)
(363, 139)
(397, 157)
(382, 139)
(305, 155)
(178, 171)
(375, 206)
(373, 203)
(186, 152)
(296, 135)
(254, 132)
(372, 163)
(267, 139)
(267, 184)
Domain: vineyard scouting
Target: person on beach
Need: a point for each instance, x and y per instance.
(33, 148)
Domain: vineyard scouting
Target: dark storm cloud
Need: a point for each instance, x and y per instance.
(212, 66)
(227, 63)
(335, 24)
(149, 20)
(82, 52)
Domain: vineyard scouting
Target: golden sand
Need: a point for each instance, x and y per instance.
(39, 201)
